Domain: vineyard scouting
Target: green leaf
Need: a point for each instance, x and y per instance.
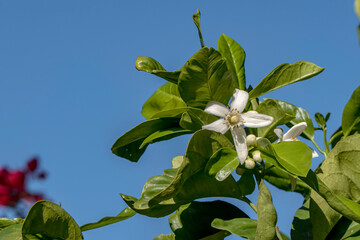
(301, 226)
(51, 222)
(294, 156)
(6, 222)
(357, 8)
(128, 145)
(165, 193)
(285, 74)
(205, 77)
(345, 229)
(351, 113)
(266, 214)
(150, 65)
(167, 97)
(243, 227)
(235, 58)
(193, 220)
(281, 179)
(196, 19)
(125, 214)
(246, 183)
(11, 232)
(320, 119)
(300, 115)
(272, 108)
(170, 236)
(162, 135)
(193, 119)
(222, 163)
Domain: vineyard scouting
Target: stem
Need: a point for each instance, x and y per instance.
(327, 150)
(335, 136)
(278, 234)
(317, 146)
(251, 204)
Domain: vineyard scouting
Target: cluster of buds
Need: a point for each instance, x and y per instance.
(13, 184)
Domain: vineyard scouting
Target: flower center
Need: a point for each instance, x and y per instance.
(234, 119)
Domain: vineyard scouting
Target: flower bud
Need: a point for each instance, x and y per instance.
(240, 171)
(257, 156)
(249, 163)
(251, 140)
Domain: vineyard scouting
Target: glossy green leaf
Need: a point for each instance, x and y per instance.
(12, 232)
(301, 226)
(266, 214)
(162, 135)
(193, 119)
(345, 229)
(294, 156)
(167, 97)
(6, 222)
(222, 163)
(205, 77)
(235, 58)
(196, 18)
(281, 179)
(285, 74)
(320, 119)
(125, 214)
(272, 108)
(128, 145)
(150, 65)
(243, 227)
(51, 221)
(170, 236)
(351, 113)
(300, 115)
(193, 220)
(246, 183)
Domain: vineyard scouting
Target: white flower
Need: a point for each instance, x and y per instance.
(292, 135)
(234, 119)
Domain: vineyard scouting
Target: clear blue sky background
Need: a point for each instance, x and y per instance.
(69, 89)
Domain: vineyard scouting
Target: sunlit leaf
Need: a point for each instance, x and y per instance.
(167, 97)
(12, 232)
(196, 19)
(51, 221)
(266, 214)
(243, 227)
(235, 58)
(150, 65)
(285, 74)
(351, 113)
(194, 118)
(125, 214)
(162, 135)
(205, 77)
(170, 236)
(222, 163)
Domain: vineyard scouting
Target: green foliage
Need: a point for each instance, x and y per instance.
(125, 214)
(351, 114)
(47, 220)
(235, 58)
(193, 119)
(196, 19)
(301, 226)
(266, 213)
(205, 77)
(243, 227)
(193, 220)
(11, 232)
(222, 163)
(285, 74)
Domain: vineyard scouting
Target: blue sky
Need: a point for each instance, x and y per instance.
(69, 89)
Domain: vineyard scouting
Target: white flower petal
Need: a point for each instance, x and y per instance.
(239, 137)
(314, 153)
(216, 108)
(253, 119)
(279, 133)
(217, 126)
(295, 131)
(239, 100)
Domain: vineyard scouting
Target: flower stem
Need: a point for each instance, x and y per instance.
(251, 204)
(337, 134)
(317, 146)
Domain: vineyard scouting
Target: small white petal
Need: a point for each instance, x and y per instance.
(216, 108)
(239, 100)
(217, 126)
(314, 153)
(239, 137)
(295, 131)
(253, 119)
(279, 133)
